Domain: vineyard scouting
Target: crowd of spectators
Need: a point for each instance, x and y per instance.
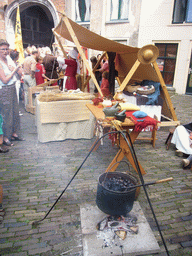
(40, 65)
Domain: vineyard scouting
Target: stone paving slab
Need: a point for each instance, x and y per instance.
(134, 244)
(34, 174)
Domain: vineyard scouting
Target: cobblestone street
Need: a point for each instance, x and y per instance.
(33, 175)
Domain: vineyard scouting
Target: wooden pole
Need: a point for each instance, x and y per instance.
(61, 46)
(94, 69)
(118, 80)
(129, 75)
(167, 97)
(76, 41)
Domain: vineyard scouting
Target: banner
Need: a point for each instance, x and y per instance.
(18, 37)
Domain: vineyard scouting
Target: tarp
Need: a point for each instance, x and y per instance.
(126, 55)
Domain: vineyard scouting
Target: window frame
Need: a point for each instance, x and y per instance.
(187, 10)
(82, 21)
(164, 58)
(119, 12)
(185, 13)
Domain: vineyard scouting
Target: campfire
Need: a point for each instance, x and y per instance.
(115, 197)
(112, 227)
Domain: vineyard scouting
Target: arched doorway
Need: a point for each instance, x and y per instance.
(36, 27)
(37, 20)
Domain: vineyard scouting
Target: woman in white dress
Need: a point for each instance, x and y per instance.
(182, 138)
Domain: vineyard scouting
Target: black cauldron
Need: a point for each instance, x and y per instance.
(116, 193)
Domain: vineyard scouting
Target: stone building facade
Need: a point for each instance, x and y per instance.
(165, 23)
(116, 20)
(168, 25)
(38, 17)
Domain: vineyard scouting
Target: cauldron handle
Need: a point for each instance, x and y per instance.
(118, 162)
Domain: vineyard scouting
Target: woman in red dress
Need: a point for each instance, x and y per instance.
(71, 69)
(105, 84)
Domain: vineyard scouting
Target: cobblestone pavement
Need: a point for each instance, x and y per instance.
(33, 175)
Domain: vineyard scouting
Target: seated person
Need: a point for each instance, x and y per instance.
(187, 162)
(182, 138)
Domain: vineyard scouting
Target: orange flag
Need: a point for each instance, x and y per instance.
(18, 37)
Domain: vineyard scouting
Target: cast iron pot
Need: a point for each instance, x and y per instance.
(115, 202)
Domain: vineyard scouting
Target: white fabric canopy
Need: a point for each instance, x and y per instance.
(126, 55)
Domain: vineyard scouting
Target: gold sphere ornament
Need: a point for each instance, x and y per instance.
(148, 54)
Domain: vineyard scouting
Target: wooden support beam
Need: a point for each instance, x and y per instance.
(48, 83)
(129, 75)
(94, 69)
(118, 80)
(30, 95)
(76, 41)
(99, 61)
(164, 88)
(168, 123)
(60, 44)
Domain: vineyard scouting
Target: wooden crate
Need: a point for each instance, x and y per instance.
(33, 90)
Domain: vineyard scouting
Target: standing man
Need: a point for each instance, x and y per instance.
(29, 67)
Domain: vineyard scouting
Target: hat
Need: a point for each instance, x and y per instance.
(47, 50)
(73, 54)
(148, 54)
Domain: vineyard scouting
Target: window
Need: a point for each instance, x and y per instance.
(83, 10)
(119, 10)
(167, 61)
(182, 11)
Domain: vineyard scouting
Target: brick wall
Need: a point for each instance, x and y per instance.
(2, 21)
(59, 5)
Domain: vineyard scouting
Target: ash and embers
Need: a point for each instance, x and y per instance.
(115, 228)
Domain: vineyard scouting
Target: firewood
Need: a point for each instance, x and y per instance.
(134, 229)
(122, 234)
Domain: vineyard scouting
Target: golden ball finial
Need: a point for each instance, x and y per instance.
(148, 54)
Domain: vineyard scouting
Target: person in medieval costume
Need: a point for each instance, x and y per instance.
(71, 69)
(50, 64)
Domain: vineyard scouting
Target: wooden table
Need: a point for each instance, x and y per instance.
(124, 150)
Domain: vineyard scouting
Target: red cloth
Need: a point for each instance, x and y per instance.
(143, 122)
(70, 72)
(96, 101)
(105, 87)
(40, 70)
